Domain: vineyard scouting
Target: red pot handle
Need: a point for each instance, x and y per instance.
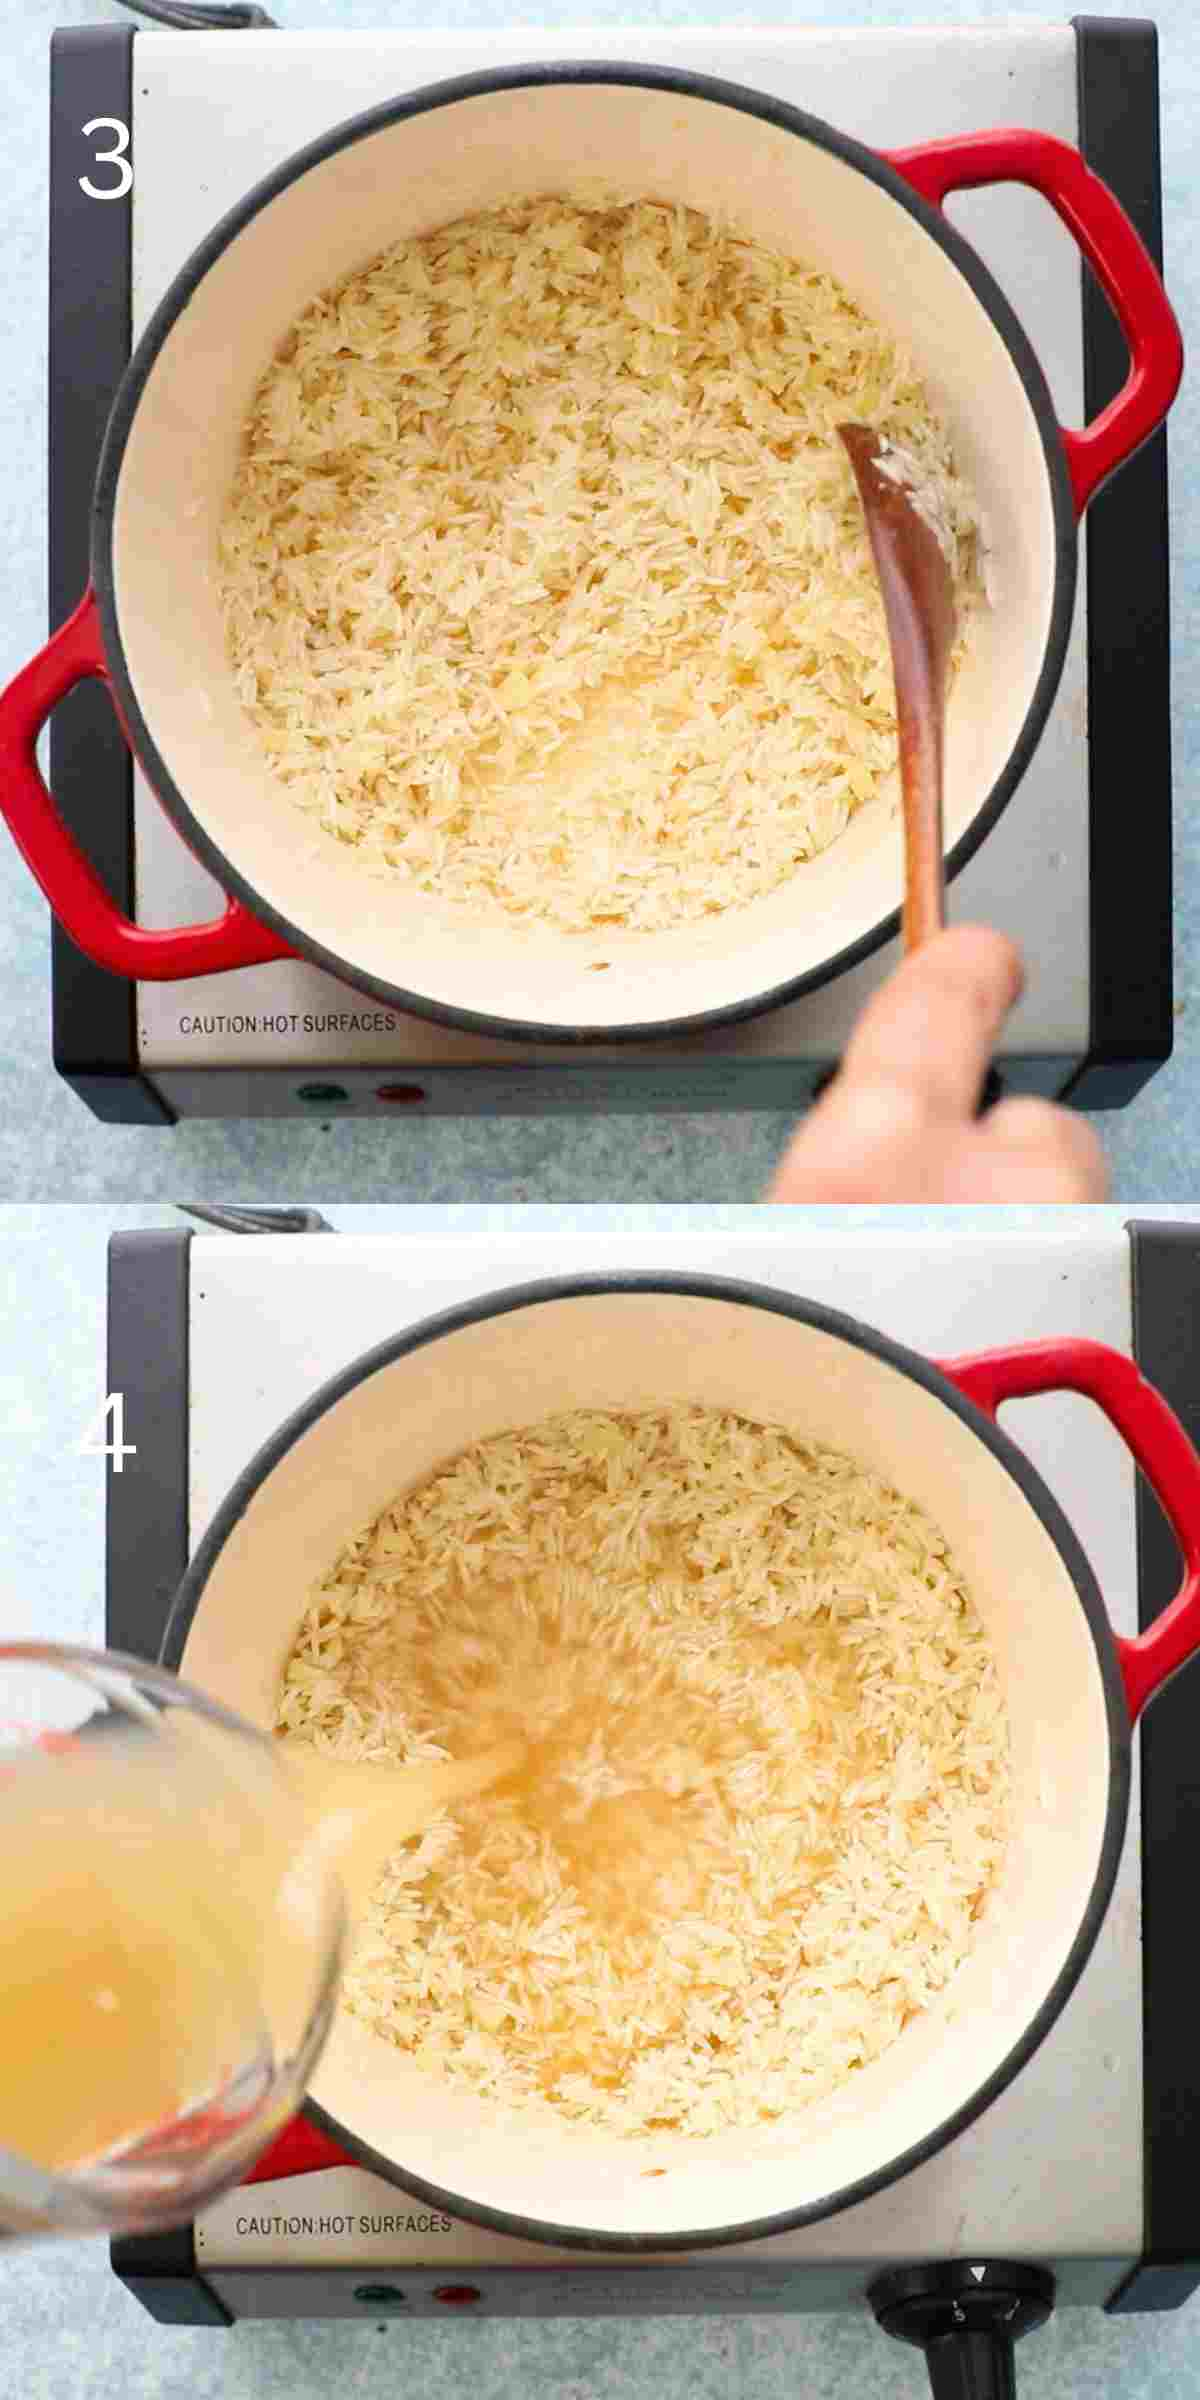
(301, 2149)
(1112, 248)
(70, 882)
(1152, 1431)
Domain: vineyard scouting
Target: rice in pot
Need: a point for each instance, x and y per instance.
(768, 1786)
(544, 572)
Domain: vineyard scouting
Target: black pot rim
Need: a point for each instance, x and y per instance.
(444, 95)
(931, 1379)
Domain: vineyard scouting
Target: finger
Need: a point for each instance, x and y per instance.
(1040, 1152)
(934, 1025)
(875, 1146)
(864, 1142)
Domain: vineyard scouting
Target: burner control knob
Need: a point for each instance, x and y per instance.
(967, 2318)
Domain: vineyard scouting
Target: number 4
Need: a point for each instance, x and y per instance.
(110, 1422)
(109, 158)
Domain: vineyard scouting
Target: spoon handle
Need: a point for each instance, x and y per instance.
(918, 599)
(921, 782)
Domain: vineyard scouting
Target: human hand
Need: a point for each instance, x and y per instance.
(898, 1122)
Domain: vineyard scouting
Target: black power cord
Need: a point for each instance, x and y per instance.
(257, 1220)
(203, 16)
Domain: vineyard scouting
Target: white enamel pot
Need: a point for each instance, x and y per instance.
(1073, 1691)
(150, 623)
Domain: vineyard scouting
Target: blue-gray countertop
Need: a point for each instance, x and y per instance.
(68, 2330)
(49, 1144)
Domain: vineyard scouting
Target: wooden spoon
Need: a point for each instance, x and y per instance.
(918, 599)
(361, 1812)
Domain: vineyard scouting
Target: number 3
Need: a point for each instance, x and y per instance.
(109, 158)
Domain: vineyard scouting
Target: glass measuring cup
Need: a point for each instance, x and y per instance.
(171, 1942)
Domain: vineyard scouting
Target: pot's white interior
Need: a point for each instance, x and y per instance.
(633, 1349)
(408, 179)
